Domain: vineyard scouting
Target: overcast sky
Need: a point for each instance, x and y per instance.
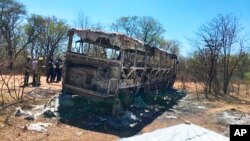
(180, 18)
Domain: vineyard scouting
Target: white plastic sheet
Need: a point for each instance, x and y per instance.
(181, 132)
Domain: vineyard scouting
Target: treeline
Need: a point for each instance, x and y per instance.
(35, 35)
(146, 29)
(22, 35)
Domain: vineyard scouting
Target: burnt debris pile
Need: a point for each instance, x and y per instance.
(77, 111)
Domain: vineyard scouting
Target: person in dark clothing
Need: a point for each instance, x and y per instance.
(34, 65)
(27, 70)
(58, 70)
(50, 71)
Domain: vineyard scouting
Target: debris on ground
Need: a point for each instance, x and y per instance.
(233, 116)
(129, 115)
(49, 113)
(139, 103)
(201, 107)
(27, 115)
(171, 117)
(188, 106)
(41, 92)
(168, 115)
(30, 117)
(79, 112)
(39, 127)
(38, 107)
(118, 122)
(128, 119)
(19, 112)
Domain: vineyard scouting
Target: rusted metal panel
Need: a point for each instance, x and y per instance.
(87, 93)
(114, 39)
(82, 59)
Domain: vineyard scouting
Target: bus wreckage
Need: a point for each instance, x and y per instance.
(115, 68)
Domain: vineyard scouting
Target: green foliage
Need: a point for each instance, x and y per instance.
(51, 39)
(247, 76)
(11, 13)
(146, 28)
(35, 24)
(127, 25)
(149, 30)
(33, 35)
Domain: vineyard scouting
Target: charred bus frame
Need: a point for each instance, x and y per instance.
(115, 67)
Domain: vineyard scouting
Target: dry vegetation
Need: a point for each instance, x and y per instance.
(14, 128)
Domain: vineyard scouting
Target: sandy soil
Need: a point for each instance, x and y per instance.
(16, 128)
(200, 111)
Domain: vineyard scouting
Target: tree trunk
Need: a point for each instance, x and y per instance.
(232, 88)
(196, 90)
(225, 86)
(206, 92)
(238, 88)
(10, 58)
(246, 89)
(183, 83)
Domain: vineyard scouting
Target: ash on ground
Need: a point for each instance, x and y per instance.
(233, 116)
(76, 111)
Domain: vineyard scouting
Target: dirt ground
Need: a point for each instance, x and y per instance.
(200, 111)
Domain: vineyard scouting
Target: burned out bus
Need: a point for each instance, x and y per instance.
(113, 67)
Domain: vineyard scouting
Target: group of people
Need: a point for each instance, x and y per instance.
(54, 71)
(36, 67)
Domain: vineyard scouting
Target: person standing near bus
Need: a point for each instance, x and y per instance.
(34, 63)
(58, 70)
(50, 71)
(38, 72)
(27, 70)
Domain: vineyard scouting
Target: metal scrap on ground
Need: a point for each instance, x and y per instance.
(40, 127)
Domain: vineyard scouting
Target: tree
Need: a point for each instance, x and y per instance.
(98, 26)
(11, 13)
(171, 46)
(82, 21)
(183, 71)
(209, 48)
(127, 25)
(147, 29)
(30, 32)
(233, 46)
(220, 47)
(54, 36)
(199, 71)
(16, 35)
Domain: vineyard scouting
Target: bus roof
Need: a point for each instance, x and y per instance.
(114, 40)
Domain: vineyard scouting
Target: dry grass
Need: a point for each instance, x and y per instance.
(14, 83)
(204, 118)
(15, 129)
